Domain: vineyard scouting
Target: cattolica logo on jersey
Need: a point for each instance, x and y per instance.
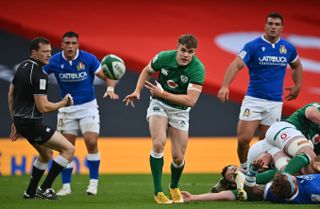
(172, 84)
(81, 66)
(184, 78)
(282, 49)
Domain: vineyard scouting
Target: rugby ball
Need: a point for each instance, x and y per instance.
(113, 66)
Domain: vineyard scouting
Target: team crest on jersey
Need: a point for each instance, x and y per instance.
(172, 84)
(164, 72)
(81, 66)
(184, 78)
(283, 49)
(246, 112)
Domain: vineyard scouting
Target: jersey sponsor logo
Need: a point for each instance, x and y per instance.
(42, 84)
(172, 84)
(164, 72)
(315, 198)
(73, 77)
(184, 79)
(273, 60)
(284, 136)
(81, 66)
(282, 49)
(316, 139)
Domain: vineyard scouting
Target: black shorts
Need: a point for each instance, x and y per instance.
(33, 130)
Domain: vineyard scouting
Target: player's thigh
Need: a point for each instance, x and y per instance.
(272, 113)
(299, 144)
(246, 130)
(281, 133)
(179, 141)
(67, 123)
(158, 120)
(90, 123)
(59, 143)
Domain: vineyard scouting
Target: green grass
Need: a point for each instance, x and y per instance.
(121, 192)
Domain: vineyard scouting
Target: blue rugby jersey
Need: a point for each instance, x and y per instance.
(76, 76)
(267, 64)
(308, 192)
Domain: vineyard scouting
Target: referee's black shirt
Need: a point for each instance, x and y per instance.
(28, 81)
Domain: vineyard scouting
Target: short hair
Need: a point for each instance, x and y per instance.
(225, 169)
(34, 45)
(275, 15)
(189, 40)
(70, 34)
(281, 186)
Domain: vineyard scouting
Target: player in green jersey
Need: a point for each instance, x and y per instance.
(181, 75)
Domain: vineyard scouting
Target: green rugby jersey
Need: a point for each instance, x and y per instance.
(174, 78)
(309, 129)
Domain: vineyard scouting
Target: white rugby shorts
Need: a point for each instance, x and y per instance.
(177, 118)
(79, 118)
(268, 112)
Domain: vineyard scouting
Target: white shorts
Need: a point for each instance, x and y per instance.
(268, 112)
(177, 118)
(259, 148)
(83, 118)
(280, 133)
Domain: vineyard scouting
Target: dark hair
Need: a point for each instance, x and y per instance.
(36, 41)
(70, 34)
(275, 15)
(189, 40)
(224, 170)
(281, 187)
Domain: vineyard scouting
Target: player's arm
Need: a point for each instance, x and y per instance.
(313, 114)
(111, 85)
(10, 99)
(44, 105)
(235, 66)
(145, 75)
(13, 132)
(189, 99)
(297, 79)
(224, 195)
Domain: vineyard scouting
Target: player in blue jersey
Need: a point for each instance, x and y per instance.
(266, 58)
(75, 70)
(284, 188)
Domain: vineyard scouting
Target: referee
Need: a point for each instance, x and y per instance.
(28, 101)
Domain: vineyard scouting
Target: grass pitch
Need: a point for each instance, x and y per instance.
(122, 192)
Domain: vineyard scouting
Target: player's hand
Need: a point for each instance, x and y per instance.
(256, 164)
(111, 94)
(131, 98)
(155, 90)
(68, 99)
(223, 94)
(14, 133)
(187, 197)
(293, 93)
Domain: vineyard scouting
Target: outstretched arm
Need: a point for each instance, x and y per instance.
(224, 195)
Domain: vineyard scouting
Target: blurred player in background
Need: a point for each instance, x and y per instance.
(181, 75)
(75, 71)
(27, 101)
(266, 58)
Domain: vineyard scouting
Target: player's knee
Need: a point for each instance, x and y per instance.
(158, 145)
(299, 146)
